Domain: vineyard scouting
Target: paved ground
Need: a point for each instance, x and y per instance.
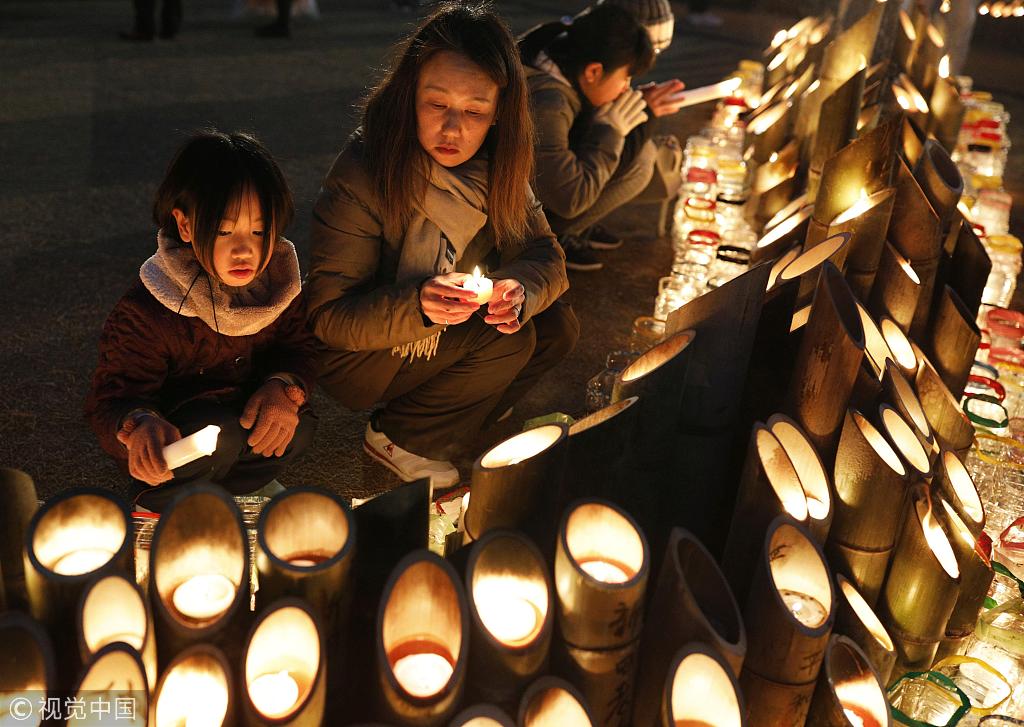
(87, 125)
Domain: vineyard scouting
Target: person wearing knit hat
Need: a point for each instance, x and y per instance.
(655, 15)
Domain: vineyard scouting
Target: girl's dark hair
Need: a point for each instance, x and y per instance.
(209, 175)
(607, 34)
(395, 160)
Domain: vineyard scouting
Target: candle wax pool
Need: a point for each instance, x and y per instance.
(805, 608)
(84, 560)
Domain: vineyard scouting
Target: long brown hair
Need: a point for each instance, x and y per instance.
(396, 162)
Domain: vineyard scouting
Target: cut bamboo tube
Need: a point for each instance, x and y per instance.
(911, 140)
(830, 354)
(598, 446)
(952, 341)
(482, 715)
(940, 181)
(867, 222)
(692, 602)
(876, 350)
(871, 492)
(810, 470)
(115, 673)
(905, 442)
(837, 122)
(18, 493)
(906, 41)
(781, 263)
(975, 571)
(887, 34)
(924, 68)
(921, 588)
(903, 349)
(969, 268)
(782, 237)
(512, 617)
(114, 609)
(775, 71)
(700, 689)
(855, 46)
(849, 690)
(789, 617)
(953, 430)
(902, 396)
(896, 288)
(768, 132)
(856, 619)
(947, 114)
(807, 268)
(795, 205)
(954, 483)
(199, 671)
(770, 193)
(29, 668)
(553, 702)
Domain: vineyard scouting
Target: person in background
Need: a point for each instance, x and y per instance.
(213, 331)
(436, 183)
(145, 20)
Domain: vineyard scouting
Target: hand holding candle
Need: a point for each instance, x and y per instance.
(506, 305)
(481, 286)
(663, 98)
(445, 300)
(188, 449)
(145, 437)
(682, 99)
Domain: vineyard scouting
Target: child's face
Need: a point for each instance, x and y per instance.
(601, 87)
(239, 243)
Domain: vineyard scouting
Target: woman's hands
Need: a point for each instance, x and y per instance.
(659, 96)
(445, 302)
(275, 417)
(145, 437)
(505, 306)
(623, 114)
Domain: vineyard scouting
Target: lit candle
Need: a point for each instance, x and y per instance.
(307, 560)
(423, 674)
(944, 67)
(862, 205)
(805, 608)
(483, 287)
(855, 696)
(188, 449)
(509, 617)
(204, 597)
(694, 96)
(274, 694)
(84, 560)
(604, 571)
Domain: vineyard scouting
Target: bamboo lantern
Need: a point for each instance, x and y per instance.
(975, 576)
(18, 493)
(795, 205)
(952, 341)
(854, 45)
(906, 41)
(512, 481)
(769, 486)
(896, 288)
(901, 395)
(924, 68)
(602, 565)
(871, 492)
(305, 538)
(199, 573)
(911, 140)
(866, 221)
(826, 366)
(782, 236)
(768, 132)
(857, 620)
(810, 472)
(947, 113)
(422, 640)
(773, 187)
(969, 268)
(553, 702)
(954, 483)
(921, 588)
(195, 688)
(837, 123)
(903, 350)
(28, 672)
(114, 610)
(284, 680)
(700, 689)
(953, 430)
(482, 715)
(905, 441)
(775, 71)
(780, 264)
(940, 181)
(876, 350)
(598, 447)
(511, 614)
(657, 377)
(849, 690)
(692, 602)
(807, 268)
(789, 616)
(114, 675)
(76, 536)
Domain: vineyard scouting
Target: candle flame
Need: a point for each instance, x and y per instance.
(944, 67)
(476, 273)
(983, 9)
(908, 26)
(773, 158)
(945, 7)
(779, 38)
(862, 205)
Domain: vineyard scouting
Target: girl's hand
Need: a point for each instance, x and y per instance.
(443, 300)
(145, 441)
(623, 114)
(505, 306)
(275, 417)
(658, 97)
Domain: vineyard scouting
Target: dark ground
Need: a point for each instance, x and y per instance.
(88, 124)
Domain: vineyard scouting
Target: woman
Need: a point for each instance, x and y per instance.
(435, 184)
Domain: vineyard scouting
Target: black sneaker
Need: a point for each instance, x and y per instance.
(579, 256)
(601, 239)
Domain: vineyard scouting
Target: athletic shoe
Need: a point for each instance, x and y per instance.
(407, 465)
(601, 239)
(579, 256)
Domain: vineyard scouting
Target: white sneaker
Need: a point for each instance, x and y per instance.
(407, 465)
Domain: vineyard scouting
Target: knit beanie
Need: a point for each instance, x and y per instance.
(655, 15)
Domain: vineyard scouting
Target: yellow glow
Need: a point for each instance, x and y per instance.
(874, 343)
(944, 67)
(205, 596)
(424, 674)
(782, 476)
(862, 205)
(814, 257)
(274, 695)
(911, 404)
(85, 560)
(795, 206)
(937, 540)
(555, 707)
(945, 7)
(961, 530)
(800, 319)
(862, 700)
(605, 571)
(964, 487)
(905, 440)
(194, 692)
(779, 39)
(805, 608)
(809, 470)
(781, 264)
(899, 344)
(521, 447)
(983, 9)
(935, 36)
(113, 611)
(773, 158)
(601, 541)
(865, 613)
(505, 609)
(908, 269)
(908, 26)
(767, 119)
(813, 87)
(703, 694)
(658, 356)
(777, 61)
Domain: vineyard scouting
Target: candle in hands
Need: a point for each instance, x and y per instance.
(188, 449)
(481, 286)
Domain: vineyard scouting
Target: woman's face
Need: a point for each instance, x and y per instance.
(456, 102)
(602, 87)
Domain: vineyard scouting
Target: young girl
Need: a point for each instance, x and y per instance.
(435, 184)
(212, 332)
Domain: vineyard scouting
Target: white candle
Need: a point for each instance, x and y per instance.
(510, 618)
(204, 596)
(275, 694)
(423, 675)
(483, 287)
(84, 560)
(805, 608)
(694, 96)
(604, 571)
(188, 449)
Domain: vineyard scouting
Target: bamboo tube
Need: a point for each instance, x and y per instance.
(866, 222)
(692, 602)
(903, 350)
(28, 669)
(904, 440)
(947, 114)
(601, 569)
(876, 350)
(849, 690)
(854, 46)
(953, 430)
(770, 193)
(482, 715)
(114, 609)
(810, 472)
(921, 588)
(700, 689)
(871, 115)
(196, 685)
(114, 673)
(902, 396)
(837, 122)
(777, 267)
(857, 620)
(782, 237)
(969, 268)
(896, 288)
(78, 535)
(511, 614)
(422, 640)
(797, 204)
(199, 548)
(911, 140)
(906, 41)
(775, 70)
(887, 34)
(954, 483)
(553, 702)
(830, 353)
(284, 678)
(789, 616)
(768, 132)
(597, 453)
(871, 491)
(807, 268)
(511, 480)
(18, 493)
(952, 341)
(940, 181)
(924, 68)
(975, 571)
(867, 389)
